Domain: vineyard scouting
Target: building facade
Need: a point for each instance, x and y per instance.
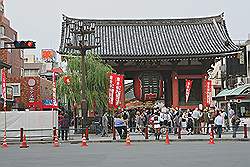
(168, 59)
(25, 89)
(12, 57)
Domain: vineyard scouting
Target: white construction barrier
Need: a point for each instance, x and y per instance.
(37, 123)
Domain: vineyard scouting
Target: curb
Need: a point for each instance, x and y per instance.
(135, 141)
(159, 141)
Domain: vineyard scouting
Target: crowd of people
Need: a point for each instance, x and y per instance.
(160, 120)
(197, 121)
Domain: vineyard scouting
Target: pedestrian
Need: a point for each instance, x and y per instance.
(176, 121)
(202, 122)
(97, 123)
(196, 116)
(230, 115)
(226, 121)
(65, 126)
(132, 123)
(120, 126)
(190, 124)
(206, 115)
(137, 121)
(142, 120)
(184, 120)
(157, 125)
(105, 125)
(218, 123)
(235, 120)
(60, 119)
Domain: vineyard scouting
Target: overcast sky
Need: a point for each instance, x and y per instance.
(40, 20)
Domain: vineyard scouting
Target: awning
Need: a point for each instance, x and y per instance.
(241, 90)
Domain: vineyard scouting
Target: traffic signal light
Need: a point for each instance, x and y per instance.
(24, 44)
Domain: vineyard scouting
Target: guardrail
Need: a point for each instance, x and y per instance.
(72, 132)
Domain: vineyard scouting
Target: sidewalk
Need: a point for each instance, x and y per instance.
(135, 137)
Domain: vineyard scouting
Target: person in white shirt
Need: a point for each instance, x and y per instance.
(196, 116)
(218, 121)
(157, 126)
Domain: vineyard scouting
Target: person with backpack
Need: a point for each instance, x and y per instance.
(235, 120)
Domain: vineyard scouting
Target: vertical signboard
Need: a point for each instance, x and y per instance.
(115, 90)
(112, 79)
(54, 89)
(208, 92)
(4, 88)
(118, 90)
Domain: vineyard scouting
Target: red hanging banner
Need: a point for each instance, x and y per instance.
(208, 92)
(112, 79)
(118, 90)
(188, 88)
(4, 88)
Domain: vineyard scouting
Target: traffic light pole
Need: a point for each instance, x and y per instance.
(20, 45)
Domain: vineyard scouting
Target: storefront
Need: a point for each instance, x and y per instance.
(238, 99)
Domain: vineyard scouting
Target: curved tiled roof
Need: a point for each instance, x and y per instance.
(233, 92)
(157, 38)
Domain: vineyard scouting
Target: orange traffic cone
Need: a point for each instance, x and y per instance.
(128, 141)
(211, 140)
(84, 143)
(24, 143)
(167, 138)
(55, 142)
(4, 145)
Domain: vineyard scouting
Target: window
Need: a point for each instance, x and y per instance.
(16, 88)
(31, 72)
(2, 30)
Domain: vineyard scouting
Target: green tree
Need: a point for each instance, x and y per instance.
(96, 80)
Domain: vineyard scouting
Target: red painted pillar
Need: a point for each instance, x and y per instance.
(123, 94)
(175, 89)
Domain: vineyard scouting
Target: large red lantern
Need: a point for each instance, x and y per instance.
(148, 86)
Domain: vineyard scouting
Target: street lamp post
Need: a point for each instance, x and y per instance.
(83, 40)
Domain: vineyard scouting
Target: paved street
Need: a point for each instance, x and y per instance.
(229, 154)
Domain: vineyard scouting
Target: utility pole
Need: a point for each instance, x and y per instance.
(83, 41)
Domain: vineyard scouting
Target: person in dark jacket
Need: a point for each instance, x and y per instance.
(65, 126)
(235, 120)
(190, 124)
